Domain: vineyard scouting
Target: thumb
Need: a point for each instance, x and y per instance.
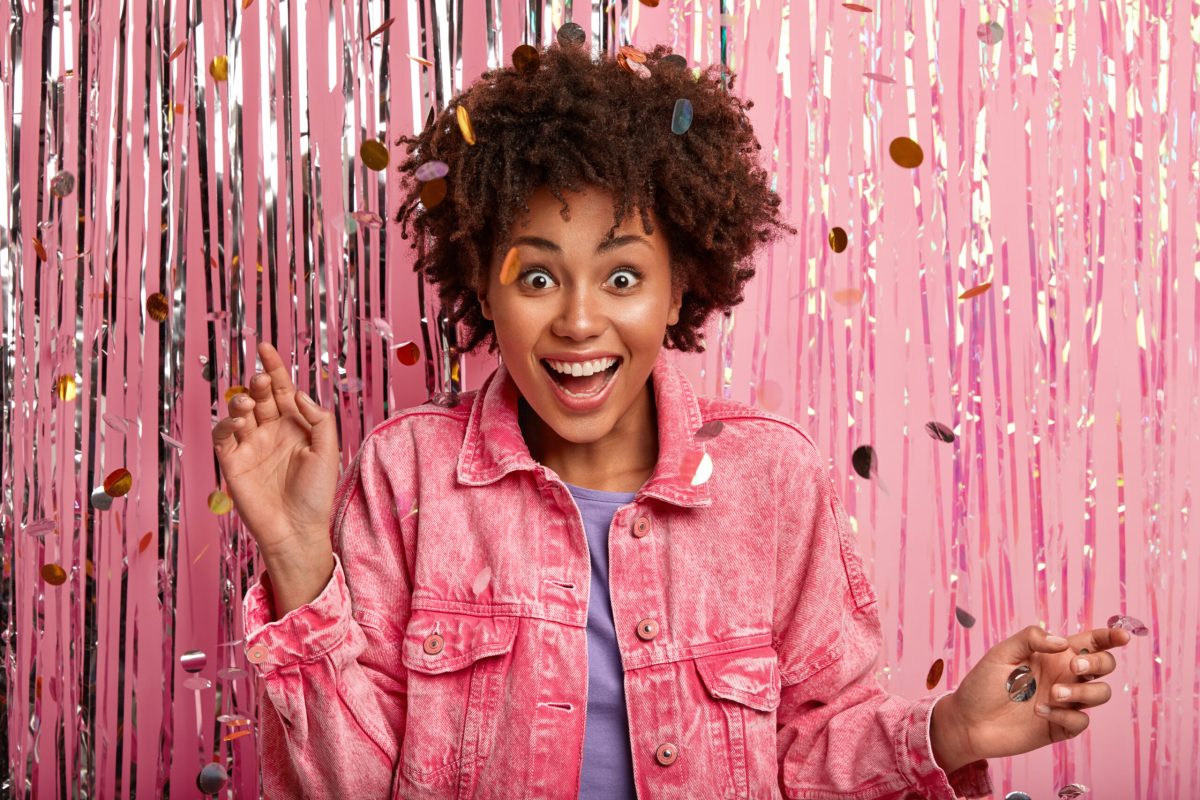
(1033, 640)
(324, 432)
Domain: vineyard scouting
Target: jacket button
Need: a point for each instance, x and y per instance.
(257, 654)
(647, 629)
(666, 753)
(641, 527)
(433, 644)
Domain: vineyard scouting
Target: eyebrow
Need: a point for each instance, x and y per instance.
(603, 247)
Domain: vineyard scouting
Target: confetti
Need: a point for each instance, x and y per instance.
(990, 33)
(632, 53)
(673, 61)
(219, 502)
(118, 483)
(235, 735)
(838, 239)
(879, 76)
(431, 170)
(54, 575)
(696, 467)
(934, 676)
(1021, 684)
(219, 68)
(1072, 790)
(368, 218)
(235, 390)
(1017, 796)
(709, 430)
(408, 353)
(212, 779)
(964, 619)
(38, 248)
(387, 23)
(464, 124)
(848, 297)
(526, 59)
(905, 152)
(374, 154)
(570, 34)
(1130, 624)
(178, 51)
(66, 388)
(145, 542)
(62, 184)
(424, 62)
(193, 661)
(650, 3)
(231, 673)
(939, 431)
(101, 500)
(974, 291)
(511, 267)
(197, 684)
(433, 192)
(857, 7)
(864, 461)
(681, 117)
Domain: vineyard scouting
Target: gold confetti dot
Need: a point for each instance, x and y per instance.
(408, 353)
(179, 108)
(632, 53)
(975, 291)
(526, 59)
(219, 68)
(54, 575)
(433, 192)
(89, 568)
(66, 388)
(935, 674)
(374, 154)
(905, 152)
(246, 4)
(464, 124)
(157, 307)
(838, 239)
(234, 390)
(219, 502)
(118, 483)
(512, 266)
(848, 297)
(650, 3)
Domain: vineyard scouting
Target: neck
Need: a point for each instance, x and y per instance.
(620, 461)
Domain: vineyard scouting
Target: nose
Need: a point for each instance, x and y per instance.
(581, 315)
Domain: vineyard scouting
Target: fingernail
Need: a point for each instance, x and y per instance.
(1056, 641)
(1061, 693)
(1043, 709)
(1080, 664)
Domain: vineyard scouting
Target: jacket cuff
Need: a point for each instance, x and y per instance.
(917, 765)
(304, 633)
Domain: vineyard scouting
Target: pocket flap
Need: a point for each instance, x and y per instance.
(749, 677)
(464, 639)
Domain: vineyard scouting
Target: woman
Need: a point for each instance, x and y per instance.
(583, 580)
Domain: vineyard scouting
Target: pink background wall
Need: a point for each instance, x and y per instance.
(1060, 166)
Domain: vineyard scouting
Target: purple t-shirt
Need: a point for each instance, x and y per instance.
(607, 771)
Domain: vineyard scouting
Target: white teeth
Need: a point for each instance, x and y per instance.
(579, 369)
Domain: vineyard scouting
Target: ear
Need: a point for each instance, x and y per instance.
(484, 306)
(676, 302)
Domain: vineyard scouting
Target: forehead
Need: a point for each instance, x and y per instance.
(591, 212)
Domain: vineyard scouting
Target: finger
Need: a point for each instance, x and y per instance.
(1034, 640)
(1082, 695)
(242, 407)
(324, 431)
(282, 387)
(1092, 665)
(224, 441)
(1100, 639)
(1067, 722)
(264, 399)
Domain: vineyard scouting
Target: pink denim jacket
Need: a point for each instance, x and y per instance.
(447, 656)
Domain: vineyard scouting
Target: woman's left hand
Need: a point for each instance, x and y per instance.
(991, 725)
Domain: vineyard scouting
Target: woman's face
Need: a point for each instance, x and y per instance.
(580, 296)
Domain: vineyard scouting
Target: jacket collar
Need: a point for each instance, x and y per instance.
(494, 445)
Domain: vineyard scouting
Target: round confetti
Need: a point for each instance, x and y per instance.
(432, 169)
(848, 297)
(864, 461)
(526, 59)
(219, 502)
(53, 574)
(696, 467)
(939, 431)
(433, 192)
(374, 154)
(709, 430)
(681, 117)
(197, 684)
(62, 184)
(1021, 684)
(193, 661)
(101, 500)
(464, 124)
(632, 53)
(673, 60)
(636, 67)
(570, 34)
(838, 240)
(905, 152)
(212, 779)
(511, 266)
(38, 248)
(650, 3)
(257, 654)
(934, 676)
(234, 391)
(408, 353)
(1017, 796)
(1130, 624)
(145, 542)
(964, 619)
(231, 673)
(975, 291)
(157, 307)
(990, 32)
(1072, 790)
(66, 388)
(118, 483)
(368, 218)
(219, 68)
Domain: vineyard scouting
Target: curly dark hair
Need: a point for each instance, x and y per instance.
(575, 122)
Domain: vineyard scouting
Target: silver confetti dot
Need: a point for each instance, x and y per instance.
(101, 500)
(212, 778)
(571, 34)
(1021, 684)
(1072, 790)
(1017, 796)
(193, 661)
(990, 33)
(62, 184)
(964, 619)
(1130, 624)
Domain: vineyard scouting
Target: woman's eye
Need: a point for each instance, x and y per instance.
(532, 271)
(628, 271)
(620, 281)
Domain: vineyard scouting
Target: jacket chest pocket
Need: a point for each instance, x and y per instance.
(457, 665)
(744, 688)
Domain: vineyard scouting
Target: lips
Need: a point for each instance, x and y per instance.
(582, 402)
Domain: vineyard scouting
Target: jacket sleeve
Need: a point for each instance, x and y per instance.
(839, 733)
(331, 669)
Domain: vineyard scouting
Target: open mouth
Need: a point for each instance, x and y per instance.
(583, 386)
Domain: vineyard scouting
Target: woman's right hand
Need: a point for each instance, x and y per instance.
(279, 457)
